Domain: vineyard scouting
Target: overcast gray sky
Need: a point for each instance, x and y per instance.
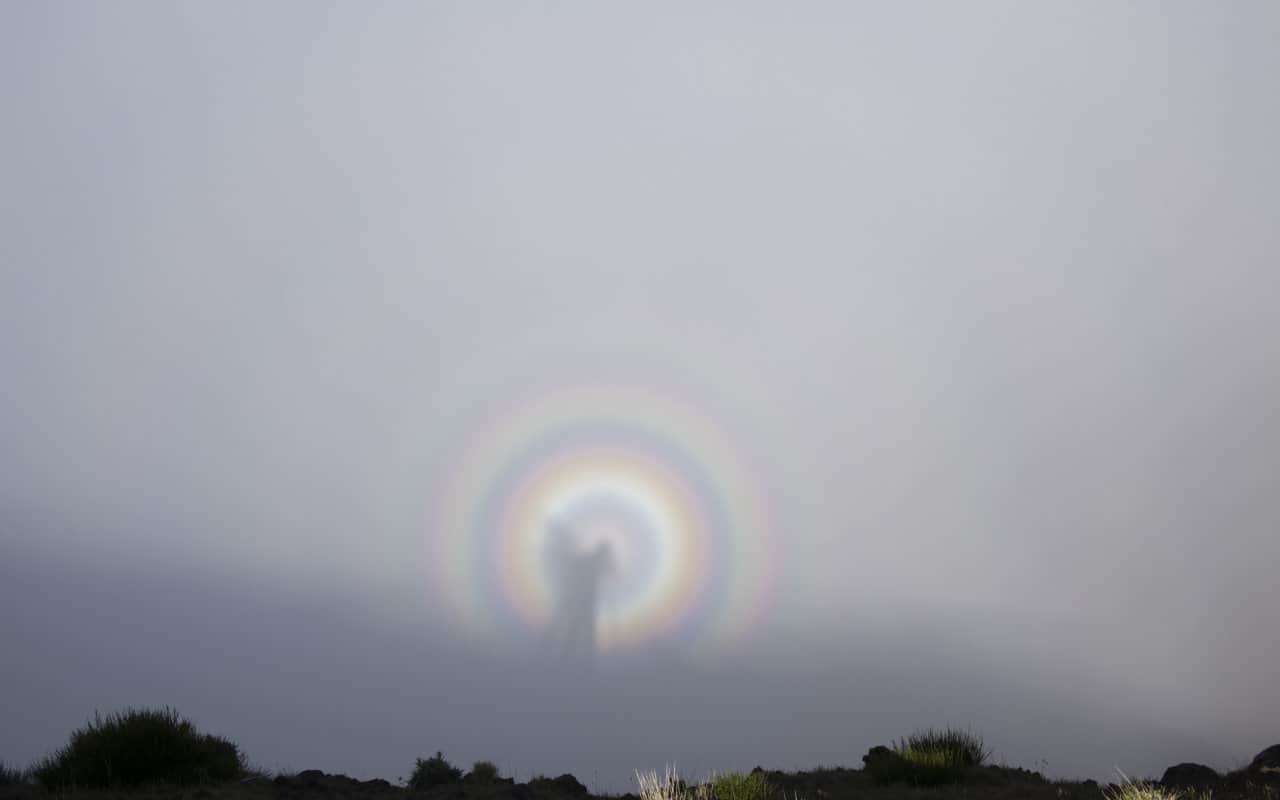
(963, 314)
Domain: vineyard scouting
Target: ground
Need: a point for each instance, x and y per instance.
(983, 783)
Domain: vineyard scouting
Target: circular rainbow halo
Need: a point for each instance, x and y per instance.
(675, 523)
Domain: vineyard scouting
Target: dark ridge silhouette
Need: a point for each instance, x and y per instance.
(435, 777)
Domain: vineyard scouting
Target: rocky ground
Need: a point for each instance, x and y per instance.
(1258, 781)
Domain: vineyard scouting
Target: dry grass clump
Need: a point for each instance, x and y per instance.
(1137, 790)
(1129, 789)
(668, 786)
(727, 786)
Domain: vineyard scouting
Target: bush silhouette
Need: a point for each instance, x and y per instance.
(140, 746)
(433, 771)
(928, 758)
(483, 772)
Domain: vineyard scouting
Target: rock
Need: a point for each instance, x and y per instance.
(309, 777)
(564, 785)
(1268, 761)
(570, 785)
(876, 753)
(317, 779)
(1188, 774)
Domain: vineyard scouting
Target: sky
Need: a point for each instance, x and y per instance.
(917, 361)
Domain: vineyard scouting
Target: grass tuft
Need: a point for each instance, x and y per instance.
(929, 758)
(736, 786)
(12, 776)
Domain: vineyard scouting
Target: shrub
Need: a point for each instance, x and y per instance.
(433, 771)
(928, 758)
(736, 786)
(484, 772)
(140, 746)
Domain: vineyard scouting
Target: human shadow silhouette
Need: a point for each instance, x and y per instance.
(571, 634)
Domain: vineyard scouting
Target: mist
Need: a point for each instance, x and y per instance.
(923, 357)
